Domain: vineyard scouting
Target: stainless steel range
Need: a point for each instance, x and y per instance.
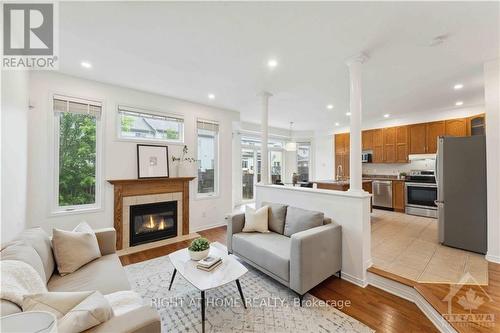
(421, 193)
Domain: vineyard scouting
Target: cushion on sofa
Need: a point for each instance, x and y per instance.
(270, 251)
(256, 219)
(276, 216)
(18, 250)
(40, 241)
(104, 274)
(298, 219)
(73, 249)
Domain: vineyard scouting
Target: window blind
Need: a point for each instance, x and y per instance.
(126, 110)
(207, 125)
(62, 104)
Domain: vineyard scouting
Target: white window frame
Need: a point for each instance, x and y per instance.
(119, 136)
(55, 130)
(309, 163)
(215, 193)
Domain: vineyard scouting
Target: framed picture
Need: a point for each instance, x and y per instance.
(152, 161)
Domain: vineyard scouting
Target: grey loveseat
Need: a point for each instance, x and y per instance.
(105, 274)
(302, 249)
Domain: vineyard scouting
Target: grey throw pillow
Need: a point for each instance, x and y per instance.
(276, 216)
(298, 220)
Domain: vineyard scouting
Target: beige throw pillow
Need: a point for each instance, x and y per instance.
(73, 249)
(75, 311)
(256, 220)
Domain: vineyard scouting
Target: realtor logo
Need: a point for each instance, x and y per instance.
(29, 36)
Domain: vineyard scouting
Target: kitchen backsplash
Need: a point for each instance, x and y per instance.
(395, 169)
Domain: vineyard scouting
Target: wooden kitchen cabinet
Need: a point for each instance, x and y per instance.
(402, 145)
(398, 195)
(476, 125)
(342, 142)
(455, 127)
(389, 144)
(367, 140)
(378, 146)
(417, 134)
(434, 130)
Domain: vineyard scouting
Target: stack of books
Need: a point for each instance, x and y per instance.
(209, 263)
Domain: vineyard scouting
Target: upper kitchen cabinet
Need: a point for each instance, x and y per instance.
(456, 127)
(342, 143)
(378, 146)
(367, 140)
(389, 144)
(418, 137)
(476, 125)
(402, 146)
(434, 130)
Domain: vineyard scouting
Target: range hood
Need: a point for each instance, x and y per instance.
(417, 157)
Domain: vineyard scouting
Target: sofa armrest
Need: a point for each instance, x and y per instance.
(106, 238)
(316, 254)
(141, 320)
(235, 224)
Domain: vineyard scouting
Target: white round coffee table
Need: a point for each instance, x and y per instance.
(29, 322)
(230, 270)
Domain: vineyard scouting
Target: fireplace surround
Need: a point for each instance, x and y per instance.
(132, 192)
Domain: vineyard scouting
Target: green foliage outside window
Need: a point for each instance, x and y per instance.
(77, 159)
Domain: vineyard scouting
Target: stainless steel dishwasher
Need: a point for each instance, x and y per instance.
(382, 193)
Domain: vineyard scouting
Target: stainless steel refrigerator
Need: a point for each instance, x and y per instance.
(461, 195)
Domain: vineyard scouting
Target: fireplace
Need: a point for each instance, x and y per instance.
(152, 222)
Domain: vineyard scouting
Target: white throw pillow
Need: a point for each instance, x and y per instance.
(256, 220)
(73, 249)
(75, 311)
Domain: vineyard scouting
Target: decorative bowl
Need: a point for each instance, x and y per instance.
(198, 255)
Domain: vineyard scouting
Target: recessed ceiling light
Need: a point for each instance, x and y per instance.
(211, 96)
(337, 124)
(329, 106)
(458, 86)
(459, 103)
(347, 113)
(387, 115)
(86, 64)
(272, 63)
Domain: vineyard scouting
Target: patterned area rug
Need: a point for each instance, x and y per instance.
(271, 307)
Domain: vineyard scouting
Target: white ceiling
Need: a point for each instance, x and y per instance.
(188, 50)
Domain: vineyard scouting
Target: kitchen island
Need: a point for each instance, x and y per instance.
(341, 185)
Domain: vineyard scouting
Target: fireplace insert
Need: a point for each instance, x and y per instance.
(153, 222)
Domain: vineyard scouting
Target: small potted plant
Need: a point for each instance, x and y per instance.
(199, 249)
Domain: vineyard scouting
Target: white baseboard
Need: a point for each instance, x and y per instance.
(354, 280)
(206, 227)
(410, 294)
(492, 258)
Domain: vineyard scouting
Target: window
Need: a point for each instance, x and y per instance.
(303, 160)
(208, 146)
(77, 124)
(137, 124)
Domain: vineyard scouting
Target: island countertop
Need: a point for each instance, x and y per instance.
(341, 185)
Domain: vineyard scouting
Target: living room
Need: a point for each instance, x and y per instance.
(134, 151)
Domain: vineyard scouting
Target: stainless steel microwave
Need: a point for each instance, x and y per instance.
(366, 157)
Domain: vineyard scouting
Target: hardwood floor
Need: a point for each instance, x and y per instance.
(374, 307)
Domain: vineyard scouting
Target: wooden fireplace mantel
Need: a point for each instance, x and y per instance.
(146, 186)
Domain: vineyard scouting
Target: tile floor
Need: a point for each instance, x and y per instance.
(408, 246)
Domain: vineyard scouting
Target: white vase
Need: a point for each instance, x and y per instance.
(198, 255)
(184, 170)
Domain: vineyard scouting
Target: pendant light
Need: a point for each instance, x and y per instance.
(291, 145)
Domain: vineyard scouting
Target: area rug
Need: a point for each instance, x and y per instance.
(271, 307)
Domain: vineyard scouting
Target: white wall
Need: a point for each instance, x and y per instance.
(492, 101)
(323, 157)
(14, 143)
(119, 157)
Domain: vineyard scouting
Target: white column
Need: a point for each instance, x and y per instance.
(492, 106)
(355, 102)
(264, 138)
